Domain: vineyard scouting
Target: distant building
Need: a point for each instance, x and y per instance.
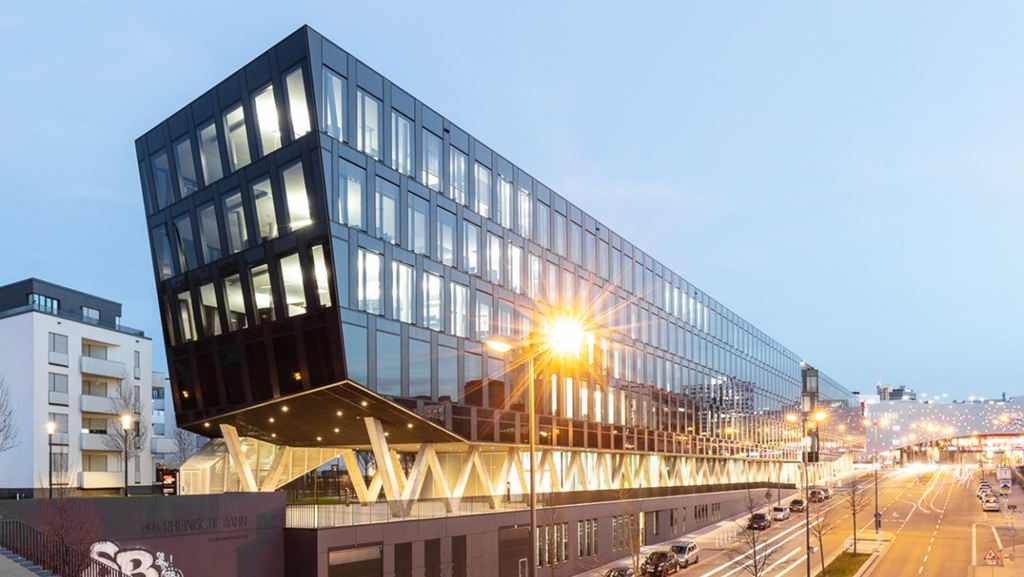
(65, 356)
(900, 393)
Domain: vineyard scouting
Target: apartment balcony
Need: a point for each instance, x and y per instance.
(100, 480)
(95, 404)
(103, 368)
(163, 445)
(93, 442)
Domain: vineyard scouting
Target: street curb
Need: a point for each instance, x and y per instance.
(870, 564)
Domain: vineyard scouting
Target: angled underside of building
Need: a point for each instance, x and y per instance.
(330, 256)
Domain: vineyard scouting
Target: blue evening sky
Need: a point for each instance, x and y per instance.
(845, 175)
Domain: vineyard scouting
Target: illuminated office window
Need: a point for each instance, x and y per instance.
(298, 107)
(267, 122)
(432, 297)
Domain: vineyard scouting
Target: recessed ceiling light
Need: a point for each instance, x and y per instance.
(319, 438)
(284, 408)
(271, 419)
(273, 435)
(337, 430)
(339, 413)
(206, 424)
(364, 402)
(409, 425)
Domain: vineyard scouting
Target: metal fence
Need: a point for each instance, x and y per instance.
(50, 553)
(326, 515)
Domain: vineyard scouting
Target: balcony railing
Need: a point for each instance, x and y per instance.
(72, 317)
(103, 368)
(50, 553)
(340, 514)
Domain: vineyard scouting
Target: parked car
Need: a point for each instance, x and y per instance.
(687, 553)
(780, 513)
(827, 492)
(815, 496)
(619, 572)
(797, 505)
(990, 504)
(759, 521)
(984, 488)
(660, 563)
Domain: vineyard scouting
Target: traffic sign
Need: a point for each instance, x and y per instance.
(991, 555)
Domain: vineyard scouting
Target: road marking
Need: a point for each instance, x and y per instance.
(925, 559)
(998, 541)
(974, 544)
(921, 570)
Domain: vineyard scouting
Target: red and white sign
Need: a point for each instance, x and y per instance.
(991, 555)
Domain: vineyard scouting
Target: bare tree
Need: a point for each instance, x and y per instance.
(188, 444)
(858, 498)
(822, 524)
(8, 426)
(629, 528)
(751, 552)
(71, 520)
(126, 401)
(552, 521)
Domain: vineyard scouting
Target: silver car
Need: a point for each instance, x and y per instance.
(687, 553)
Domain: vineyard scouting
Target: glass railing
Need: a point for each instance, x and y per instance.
(39, 308)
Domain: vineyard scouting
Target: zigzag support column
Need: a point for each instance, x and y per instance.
(385, 465)
(276, 468)
(237, 452)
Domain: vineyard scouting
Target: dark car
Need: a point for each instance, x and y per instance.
(660, 563)
(816, 496)
(759, 522)
(797, 505)
(619, 572)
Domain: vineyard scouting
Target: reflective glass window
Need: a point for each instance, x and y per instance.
(297, 105)
(447, 374)
(602, 259)
(320, 276)
(419, 232)
(368, 121)
(446, 236)
(162, 179)
(291, 281)
(401, 143)
(483, 316)
(504, 208)
(471, 247)
(460, 310)
(211, 314)
(386, 208)
(432, 298)
(506, 314)
(575, 234)
(419, 369)
(188, 182)
(356, 353)
(234, 298)
(267, 123)
(234, 223)
(209, 234)
(187, 320)
(369, 270)
(333, 117)
(534, 279)
(525, 212)
(262, 294)
(186, 242)
(515, 268)
(559, 246)
(162, 253)
(494, 258)
(389, 364)
(266, 217)
(483, 190)
(209, 153)
(543, 225)
(551, 286)
(351, 187)
(402, 291)
(238, 140)
(296, 197)
(459, 167)
(431, 160)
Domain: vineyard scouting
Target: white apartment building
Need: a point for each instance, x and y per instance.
(67, 359)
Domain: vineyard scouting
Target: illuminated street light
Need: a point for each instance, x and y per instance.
(126, 425)
(51, 428)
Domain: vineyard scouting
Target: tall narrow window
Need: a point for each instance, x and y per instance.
(419, 211)
(514, 280)
(542, 236)
(333, 116)
(208, 306)
(209, 153)
(401, 143)
(535, 272)
(262, 294)
(267, 123)
(186, 242)
(575, 232)
(402, 291)
(291, 281)
(494, 258)
(368, 123)
(483, 316)
(238, 139)
(431, 160)
(162, 253)
(320, 276)
(297, 105)
(483, 190)
(296, 197)
(209, 235)
(234, 223)
(525, 205)
(460, 310)
(188, 182)
(471, 247)
(559, 234)
(433, 294)
(188, 323)
(506, 315)
(235, 300)
(446, 237)
(386, 208)
(162, 179)
(351, 187)
(369, 270)
(266, 217)
(459, 167)
(504, 208)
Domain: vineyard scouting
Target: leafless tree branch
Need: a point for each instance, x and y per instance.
(751, 552)
(8, 426)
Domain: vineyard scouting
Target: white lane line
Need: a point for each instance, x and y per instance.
(998, 540)
(799, 561)
(921, 570)
(974, 544)
(925, 559)
(780, 561)
(763, 552)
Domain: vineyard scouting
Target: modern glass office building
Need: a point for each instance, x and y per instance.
(327, 247)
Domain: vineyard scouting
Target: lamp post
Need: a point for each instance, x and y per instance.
(126, 424)
(565, 336)
(878, 517)
(806, 419)
(51, 428)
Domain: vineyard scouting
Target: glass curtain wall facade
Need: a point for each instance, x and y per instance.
(328, 226)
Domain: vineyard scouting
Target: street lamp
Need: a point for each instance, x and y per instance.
(883, 422)
(807, 420)
(126, 425)
(565, 337)
(51, 428)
